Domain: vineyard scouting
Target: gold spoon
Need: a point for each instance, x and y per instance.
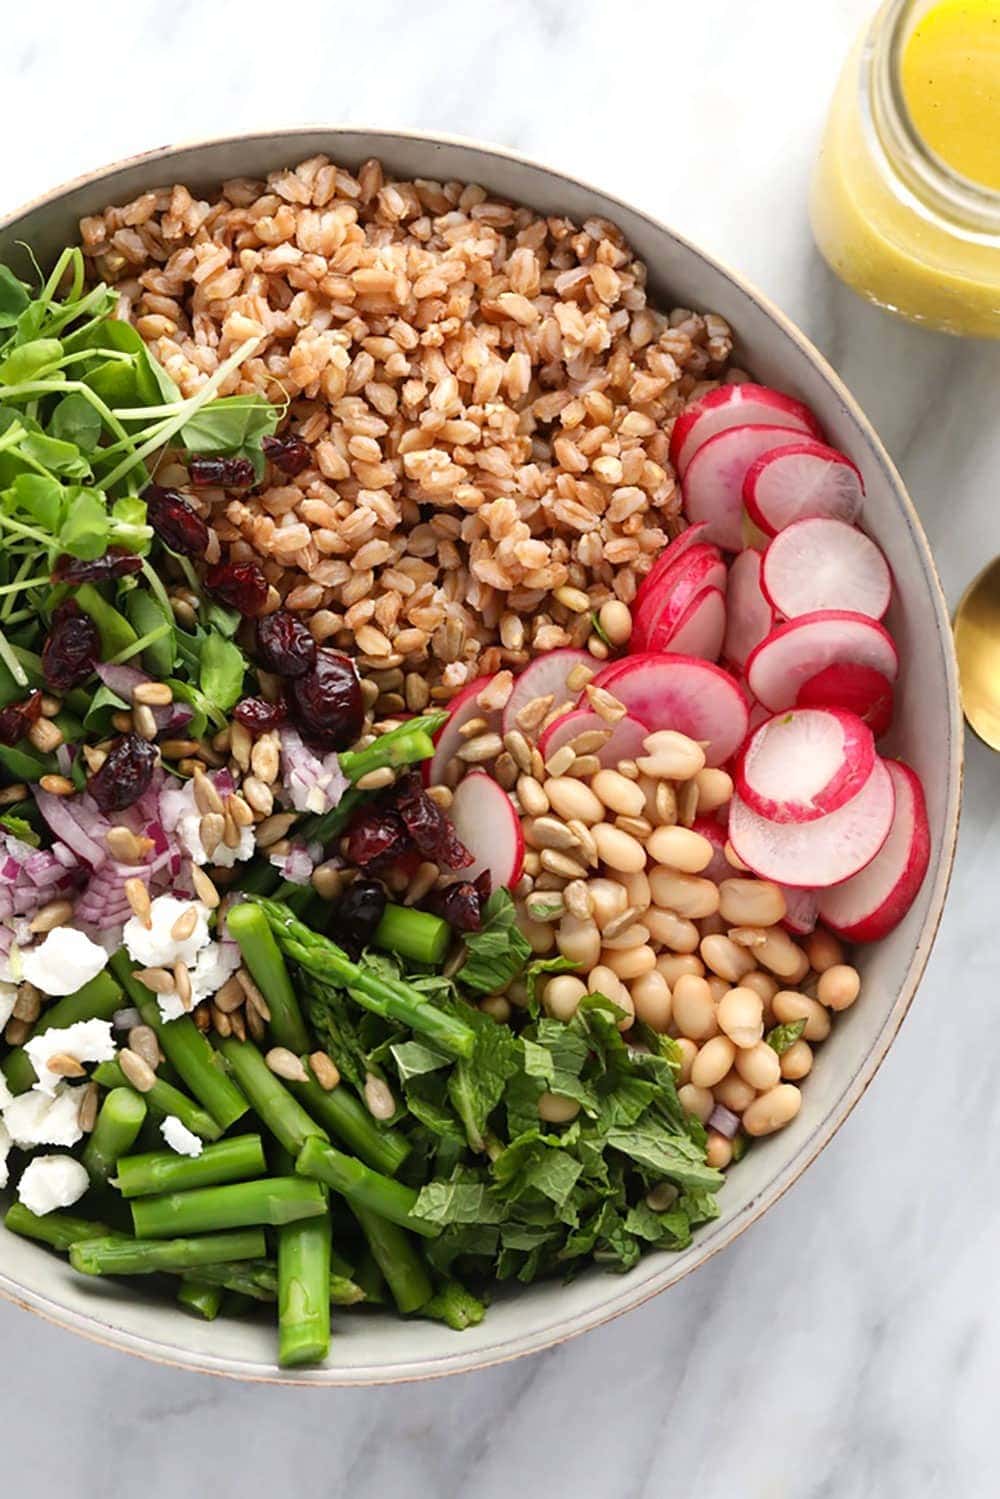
(977, 646)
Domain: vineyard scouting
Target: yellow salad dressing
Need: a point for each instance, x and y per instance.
(905, 199)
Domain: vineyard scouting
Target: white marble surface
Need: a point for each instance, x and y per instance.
(848, 1346)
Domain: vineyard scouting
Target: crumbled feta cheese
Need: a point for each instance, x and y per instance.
(85, 1041)
(215, 963)
(180, 816)
(36, 1119)
(153, 946)
(52, 1181)
(63, 961)
(8, 997)
(5, 1145)
(6, 1096)
(179, 1137)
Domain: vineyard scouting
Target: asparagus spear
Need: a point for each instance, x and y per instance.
(202, 1299)
(59, 1230)
(120, 1256)
(390, 998)
(456, 1307)
(248, 926)
(164, 1171)
(164, 1098)
(274, 1200)
(397, 1258)
(345, 1116)
(303, 1286)
(97, 1000)
(405, 745)
(360, 1184)
(186, 1049)
(118, 1123)
(277, 1110)
(412, 934)
(258, 1279)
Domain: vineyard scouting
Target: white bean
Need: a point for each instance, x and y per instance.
(741, 1016)
(713, 1061)
(631, 963)
(772, 1110)
(634, 935)
(680, 848)
(788, 1005)
(718, 1151)
(539, 933)
(751, 902)
(839, 986)
(694, 1008)
(609, 899)
(823, 950)
(674, 965)
(671, 755)
(636, 884)
(719, 987)
(562, 995)
(778, 952)
(618, 793)
(796, 1062)
(579, 940)
(569, 797)
(726, 958)
(670, 930)
(653, 1004)
(734, 1092)
(603, 980)
(618, 850)
(688, 1051)
(687, 894)
(759, 1066)
(761, 983)
(696, 1101)
(556, 1108)
(715, 789)
(733, 858)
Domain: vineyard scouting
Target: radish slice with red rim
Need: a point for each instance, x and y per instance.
(679, 692)
(663, 605)
(801, 911)
(749, 615)
(448, 740)
(699, 630)
(735, 406)
(815, 855)
(713, 483)
(484, 818)
(869, 906)
(626, 740)
(857, 689)
(804, 764)
(825, 564)
(671, 553)
(802, 479)
(545, 676)
(798, 650)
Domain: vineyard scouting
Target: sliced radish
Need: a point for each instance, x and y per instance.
(735, 406)
(663, 606)
(875, 901)
(857, 689)
(825, 564)
(815, 855)
(713, 484)
(678, 692)
(626, 740)
(545, 677)
(671, 553)
(749, 616)
(804, 479)
(801, 910)
(796, 651)
(699, 630)
(462, 709)
(804, 764)
(485, 820)
(720, 868)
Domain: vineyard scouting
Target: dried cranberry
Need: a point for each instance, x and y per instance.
(258, 715)
(231, 473)
(71, 649)
(289, 453)
(125, 774)
(175, 522)
(327, 702)
(284, 645)
(461, 905)
(116, 563)
(16, 719)
(376, 837)
(357, 914)
(427, 825)
(241, 585)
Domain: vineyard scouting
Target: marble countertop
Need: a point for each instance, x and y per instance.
(847, 1346)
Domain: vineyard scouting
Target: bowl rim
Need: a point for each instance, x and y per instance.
(556, 1331)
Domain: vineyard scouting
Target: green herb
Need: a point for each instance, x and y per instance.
(222, 669)
(498, 951)
(783, 1036)
(21, 829)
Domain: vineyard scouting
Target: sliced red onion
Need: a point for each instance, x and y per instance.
(298, 864)
(64, 759)
(81, 827)
(67, 858)
(724, 1121)
(313, 784)
(11, 869)
(124, 1020)
(121, 680)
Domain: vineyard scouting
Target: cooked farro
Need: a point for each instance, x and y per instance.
(486, 393)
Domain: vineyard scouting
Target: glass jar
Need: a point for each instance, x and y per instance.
(890, 216)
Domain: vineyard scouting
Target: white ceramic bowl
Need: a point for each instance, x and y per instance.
(928, 734)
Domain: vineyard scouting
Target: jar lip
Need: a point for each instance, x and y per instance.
(935, 184)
